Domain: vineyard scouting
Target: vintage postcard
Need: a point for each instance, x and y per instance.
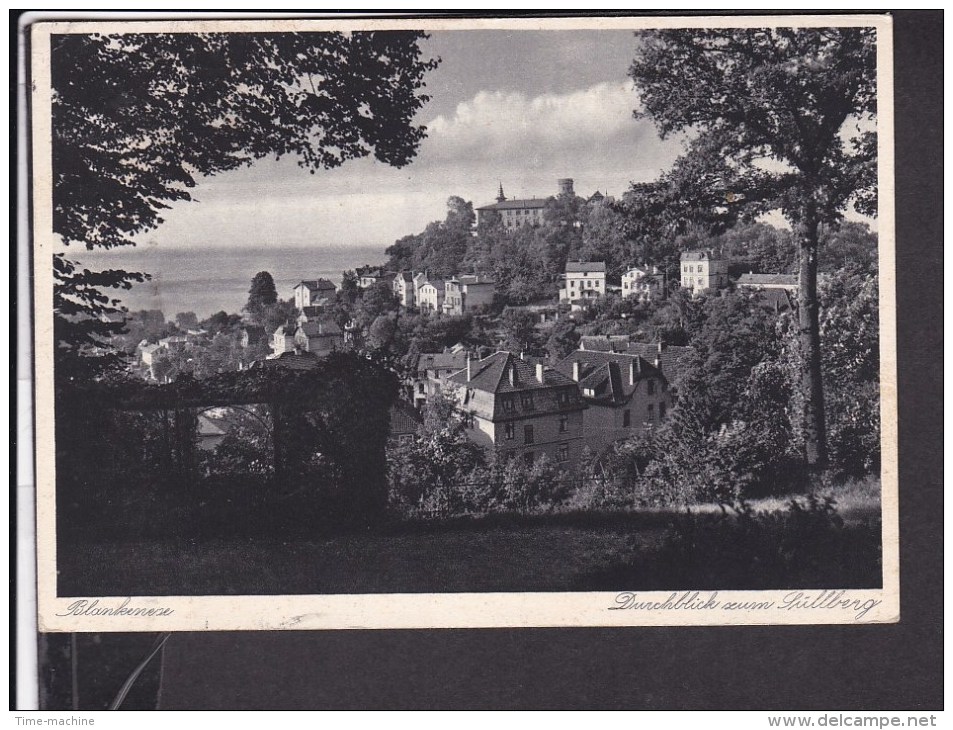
(406, 323)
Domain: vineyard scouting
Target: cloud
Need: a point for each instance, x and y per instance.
(526, 142)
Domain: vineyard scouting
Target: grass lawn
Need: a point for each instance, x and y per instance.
(554, 552)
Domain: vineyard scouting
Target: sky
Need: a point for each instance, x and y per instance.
(521, 108)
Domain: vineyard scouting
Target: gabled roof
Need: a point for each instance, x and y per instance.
(317, 285)
(491, 374)
(291, 361)
(440, 361)
(671, 357)
(209, 427)
(765, 279)
(605, 376)
(584, 267)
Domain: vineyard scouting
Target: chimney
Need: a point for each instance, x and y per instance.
(576, 368)
(632, 370)
(658, 361)
(540, 373)
(512, 374)
(469, 369)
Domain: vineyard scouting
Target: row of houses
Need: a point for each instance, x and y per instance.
(514, 406)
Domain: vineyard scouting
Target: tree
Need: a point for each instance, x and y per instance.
(780, 117)
(262, 294)
(138, 117)
(187, 320)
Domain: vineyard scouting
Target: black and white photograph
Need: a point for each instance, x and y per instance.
(456, 323)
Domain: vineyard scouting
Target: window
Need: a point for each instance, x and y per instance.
(508, 404)
(563, 424)
(651, 412)
(563, 453)
(420, 387)
(528, 434)
(564, 397)
(597, 283)
(589, 283)
(651, 387)
(661, 411)
(626, 419)
(510, 431)
(526, 399)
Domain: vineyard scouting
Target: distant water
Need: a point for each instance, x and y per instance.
(209, 280)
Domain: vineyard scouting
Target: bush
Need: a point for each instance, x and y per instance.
(807, 545)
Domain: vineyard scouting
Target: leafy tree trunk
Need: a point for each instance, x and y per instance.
(809, 337)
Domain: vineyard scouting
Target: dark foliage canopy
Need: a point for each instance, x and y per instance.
(138, 118)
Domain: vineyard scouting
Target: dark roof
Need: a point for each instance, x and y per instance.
(491, 374)
(606, 375)
(375, 271)
(291, 361)
(472, 279)
(403, 419)
(437, 284)
(764, 279)
(440, 361)
(209, 427)
(670, 357)
(516, 204)
(577, 267)
(405, 275)
(317, 284)
(698, 256)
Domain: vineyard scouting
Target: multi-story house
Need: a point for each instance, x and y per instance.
(367, 276)
(644, 283)
(319, 337)
(514, 213)
(703, 270)
(430, 295)
(515, 409)
(583, 282)
(282, 341)
(467, 292)
(670, 359)
(623, 394)
(313, 292)
(405, 289)
(430, 371)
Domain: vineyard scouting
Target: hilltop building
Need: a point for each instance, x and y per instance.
(703, 270)
(515, 409)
